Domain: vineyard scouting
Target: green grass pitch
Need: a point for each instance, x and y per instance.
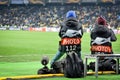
(21, 52)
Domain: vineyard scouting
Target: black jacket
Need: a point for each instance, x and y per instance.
(70, 28)
(73, 24)
(102, 36)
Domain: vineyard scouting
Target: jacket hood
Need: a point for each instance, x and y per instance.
(101, 29)
(71, 22)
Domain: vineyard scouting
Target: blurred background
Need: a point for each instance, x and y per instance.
(36, 14)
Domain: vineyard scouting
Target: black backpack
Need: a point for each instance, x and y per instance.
(73, 67)
(107, 64)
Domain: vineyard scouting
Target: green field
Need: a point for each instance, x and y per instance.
(21, 52)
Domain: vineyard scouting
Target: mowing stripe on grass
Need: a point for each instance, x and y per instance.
(26, 55)
(1, 56)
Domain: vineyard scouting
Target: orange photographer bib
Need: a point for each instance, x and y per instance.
(70, 41)
(100, 48)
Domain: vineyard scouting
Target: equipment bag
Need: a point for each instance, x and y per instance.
(73, 67)
(103, 65)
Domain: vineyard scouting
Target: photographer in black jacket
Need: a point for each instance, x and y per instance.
(102, 38)
(101, 43)
(70, 27)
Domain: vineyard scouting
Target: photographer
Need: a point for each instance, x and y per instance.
(70, 24)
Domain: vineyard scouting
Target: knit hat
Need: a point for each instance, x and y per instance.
(70, 14)
(101, 21)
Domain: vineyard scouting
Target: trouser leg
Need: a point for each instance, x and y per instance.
(57, 57)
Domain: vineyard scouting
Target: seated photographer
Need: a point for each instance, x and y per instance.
(101, 43)
(70, 25)
(102, 38)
